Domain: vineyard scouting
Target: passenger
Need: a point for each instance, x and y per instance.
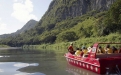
(114, 49)
(79, 52)
(108, 50)
(100, 50)
(84, 50)
(119, 50)
(70, 48)
(89, 49)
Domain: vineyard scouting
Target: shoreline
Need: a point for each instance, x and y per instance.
(3, 48)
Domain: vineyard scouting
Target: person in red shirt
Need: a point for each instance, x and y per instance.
(70, 49)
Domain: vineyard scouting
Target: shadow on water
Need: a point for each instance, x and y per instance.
(37, 62)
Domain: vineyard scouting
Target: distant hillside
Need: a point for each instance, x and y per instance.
(30, 24)
(70, 20)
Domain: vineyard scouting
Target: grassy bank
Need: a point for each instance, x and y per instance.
(115, 37)
(4, 46)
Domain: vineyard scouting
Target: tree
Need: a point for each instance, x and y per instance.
(113, 18)
(67, 36)
(115, 12)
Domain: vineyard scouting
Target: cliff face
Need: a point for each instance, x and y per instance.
(73, 8)
(101, 4)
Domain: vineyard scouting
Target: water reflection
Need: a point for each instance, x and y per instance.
(30, 74)
(20, 65)
(37, 62)
(78, 71)
(10, 68)
(28, 62)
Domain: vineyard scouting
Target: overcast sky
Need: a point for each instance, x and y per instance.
(14, 14)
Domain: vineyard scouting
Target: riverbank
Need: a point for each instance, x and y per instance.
(9, 48)
(78, 43)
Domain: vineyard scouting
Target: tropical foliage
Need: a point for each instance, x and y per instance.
(56, 28)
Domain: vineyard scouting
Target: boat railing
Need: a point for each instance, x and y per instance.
(108, 55)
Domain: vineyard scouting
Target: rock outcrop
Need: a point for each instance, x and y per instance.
(72, 8)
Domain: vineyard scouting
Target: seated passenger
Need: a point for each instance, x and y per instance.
(119, 50)
(70, 49)
(114, 49)
(108, 50)
(79, 52)
(89, 49)
(84, 50)
(100, 50)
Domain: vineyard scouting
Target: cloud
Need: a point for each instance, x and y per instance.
(3, 26)
(21, 1)
(22, 10)
(1, 70)
(15, 0)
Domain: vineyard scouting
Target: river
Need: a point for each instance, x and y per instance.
(37, 62)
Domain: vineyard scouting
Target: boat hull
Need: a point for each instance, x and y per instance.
(84, 65)
(98, 65)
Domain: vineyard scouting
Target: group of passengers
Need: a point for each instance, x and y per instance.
(84, 50)
(108, 49)
(78, 52)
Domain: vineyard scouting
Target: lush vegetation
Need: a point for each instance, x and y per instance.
(2, 46)
(86, 29)
(115, 37)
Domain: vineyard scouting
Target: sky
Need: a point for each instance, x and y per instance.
(14, 14)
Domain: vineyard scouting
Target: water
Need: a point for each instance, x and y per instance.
(37, 62)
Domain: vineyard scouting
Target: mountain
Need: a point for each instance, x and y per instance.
(68, 20)
(30, 24)
(63, 9)
(63, 15)
(60, 10)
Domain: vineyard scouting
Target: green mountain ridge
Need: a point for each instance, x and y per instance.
(30, 24)
(70, 20)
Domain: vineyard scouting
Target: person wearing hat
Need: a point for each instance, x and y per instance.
(70, 48)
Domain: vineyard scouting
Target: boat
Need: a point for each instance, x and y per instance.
(95, 62)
